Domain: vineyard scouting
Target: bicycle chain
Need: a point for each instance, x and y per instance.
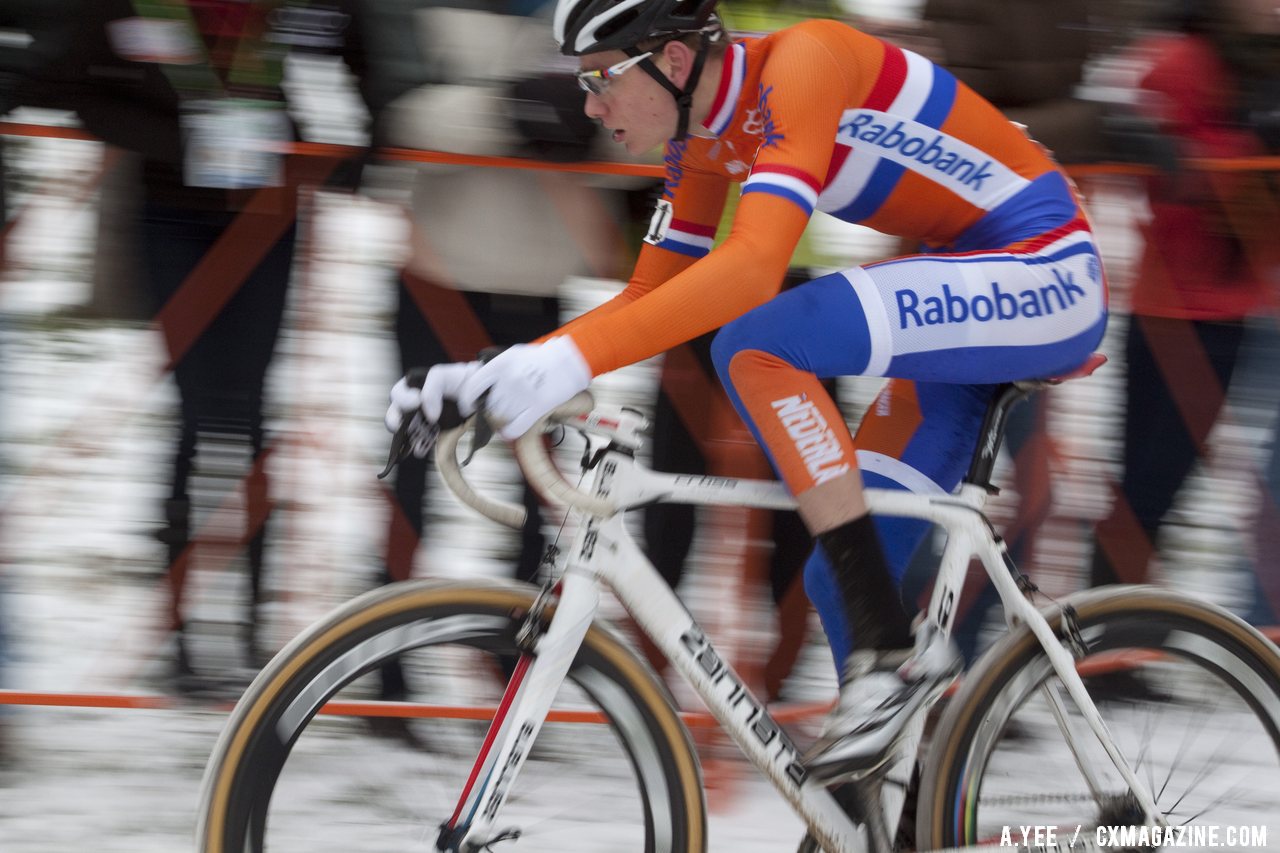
(1037, 799)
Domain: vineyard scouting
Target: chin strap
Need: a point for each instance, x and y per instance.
(684, 97)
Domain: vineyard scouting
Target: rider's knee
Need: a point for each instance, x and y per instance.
(737, 336)
(724, 347)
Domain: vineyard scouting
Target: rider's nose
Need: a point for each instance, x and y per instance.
(595, 107)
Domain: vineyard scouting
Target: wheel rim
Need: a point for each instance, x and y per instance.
(575, 769)
(1209, 753)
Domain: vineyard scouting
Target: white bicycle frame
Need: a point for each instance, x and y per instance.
(603, 552)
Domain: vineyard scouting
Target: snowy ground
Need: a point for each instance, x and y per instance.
(84, 415)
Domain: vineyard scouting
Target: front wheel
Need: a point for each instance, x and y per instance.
(619, 774)
(1190, 694)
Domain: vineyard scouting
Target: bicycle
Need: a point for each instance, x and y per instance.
(959, 786)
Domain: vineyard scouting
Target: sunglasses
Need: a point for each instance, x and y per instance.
(597, 82)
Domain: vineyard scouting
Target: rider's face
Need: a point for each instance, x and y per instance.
(640, 113)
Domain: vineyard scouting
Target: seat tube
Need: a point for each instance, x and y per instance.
(950, 580)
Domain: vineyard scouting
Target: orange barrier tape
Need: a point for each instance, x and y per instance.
(320, 149)
(784, 714)
(44, 131)
(1209, 164)
(87, 700)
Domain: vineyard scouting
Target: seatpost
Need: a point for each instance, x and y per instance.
(983, 462)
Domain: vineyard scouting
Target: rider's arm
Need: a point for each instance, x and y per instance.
(778, 199)
(696, 202)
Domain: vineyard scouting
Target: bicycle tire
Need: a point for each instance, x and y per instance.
(1174, 631)
(256, 743)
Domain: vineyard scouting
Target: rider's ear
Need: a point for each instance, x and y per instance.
(679, 58)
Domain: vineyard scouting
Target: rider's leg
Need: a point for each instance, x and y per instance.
(848, 576)
(927, 318)
(915, 437)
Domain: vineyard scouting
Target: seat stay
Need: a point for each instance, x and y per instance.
(991, 551)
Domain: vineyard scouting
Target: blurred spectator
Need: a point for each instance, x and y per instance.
(19, 21)
(1026, 57)
(491, 247)
(1211, 89)
(1266, 604)
(1255, 388)
(4, 240)
(196, 87)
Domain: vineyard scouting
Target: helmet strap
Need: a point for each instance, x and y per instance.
(684, 97)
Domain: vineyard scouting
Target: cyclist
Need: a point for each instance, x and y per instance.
(821, 116)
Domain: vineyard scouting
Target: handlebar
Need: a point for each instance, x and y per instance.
(535, 461)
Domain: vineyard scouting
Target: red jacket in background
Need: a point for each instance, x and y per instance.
(1209, 245)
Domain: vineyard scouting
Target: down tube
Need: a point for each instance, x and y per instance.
(618, 562)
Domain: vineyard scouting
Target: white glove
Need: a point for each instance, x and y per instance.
(527, 381)
(424, 404)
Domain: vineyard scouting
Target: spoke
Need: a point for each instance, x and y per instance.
(1194, 751)
(1190, 736)
(1204, 771)
(1213, 804)
(1149, 727)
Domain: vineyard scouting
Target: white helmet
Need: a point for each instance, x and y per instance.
(590, 26)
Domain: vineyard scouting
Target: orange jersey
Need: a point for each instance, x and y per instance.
(820, 116)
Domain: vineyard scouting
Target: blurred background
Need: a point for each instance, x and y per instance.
(200, 319)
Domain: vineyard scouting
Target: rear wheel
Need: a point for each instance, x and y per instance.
(1190, 693)
(612, 770)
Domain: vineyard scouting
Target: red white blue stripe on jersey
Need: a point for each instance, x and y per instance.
(688, 238)
(861, 178)
(722, 108)
(787, 182)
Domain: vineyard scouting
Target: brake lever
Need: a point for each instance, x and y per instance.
(482, 433)
(402, 441)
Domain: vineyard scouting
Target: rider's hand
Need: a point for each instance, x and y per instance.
(527, 381)
(423, 405)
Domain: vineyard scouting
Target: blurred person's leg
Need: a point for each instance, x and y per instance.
(516, 319)
(1168, 416)
(506, 320)
(792, 546)
(418, 346)
(4, 242)
(221, 354)
(1256, 390)
(1267, 532)
(669, 527)
(239, 346)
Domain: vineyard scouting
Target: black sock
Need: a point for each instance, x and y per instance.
(871, 601)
